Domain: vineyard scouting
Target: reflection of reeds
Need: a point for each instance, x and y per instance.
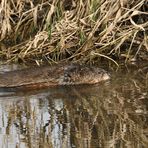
(71, 29)
(107, 115)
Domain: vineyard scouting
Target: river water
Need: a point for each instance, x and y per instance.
(112, 114)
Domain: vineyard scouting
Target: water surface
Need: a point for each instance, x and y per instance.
(110, 114)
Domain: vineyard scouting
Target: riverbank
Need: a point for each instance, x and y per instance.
(69, 30)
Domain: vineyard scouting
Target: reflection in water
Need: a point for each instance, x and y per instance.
(113, 114)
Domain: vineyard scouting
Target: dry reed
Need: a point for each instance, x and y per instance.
(78, 30)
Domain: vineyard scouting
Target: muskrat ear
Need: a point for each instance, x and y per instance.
(67, 77)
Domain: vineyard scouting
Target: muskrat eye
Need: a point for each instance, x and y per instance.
(100, 72)
(66, 75)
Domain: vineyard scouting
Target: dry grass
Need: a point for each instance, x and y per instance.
(78, 30)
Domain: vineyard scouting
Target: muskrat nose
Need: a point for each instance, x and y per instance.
(106, 76)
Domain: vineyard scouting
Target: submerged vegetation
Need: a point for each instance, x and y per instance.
(77, 30)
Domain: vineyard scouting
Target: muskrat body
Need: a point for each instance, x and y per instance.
(46, 76)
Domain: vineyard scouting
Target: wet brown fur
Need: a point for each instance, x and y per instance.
(48, 76)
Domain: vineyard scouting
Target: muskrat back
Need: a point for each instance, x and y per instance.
(46, 76)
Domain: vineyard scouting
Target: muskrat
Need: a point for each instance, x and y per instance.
(46, 76)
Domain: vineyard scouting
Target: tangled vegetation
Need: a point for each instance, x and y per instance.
(77, 30)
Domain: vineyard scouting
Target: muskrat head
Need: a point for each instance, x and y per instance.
(97, 75)
(78, 74)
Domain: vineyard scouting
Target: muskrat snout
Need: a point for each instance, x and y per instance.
(101, 75)
(106, 76)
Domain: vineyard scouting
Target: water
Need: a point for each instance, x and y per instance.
(110, 114)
